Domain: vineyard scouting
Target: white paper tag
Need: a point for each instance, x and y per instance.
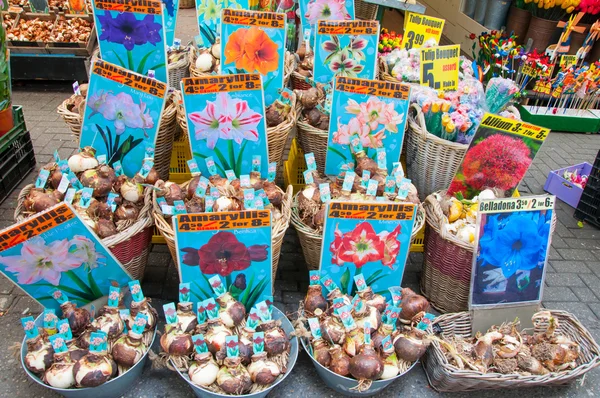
(64, 184)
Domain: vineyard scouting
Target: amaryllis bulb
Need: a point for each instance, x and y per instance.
(333, 330)
(232, 312)
(372, 299)
(175, 342)
(412, 305)
(145, 308)
(76, 352)
(78, 317)
(60, 374)
(262, 371)
(366, 365)
(233, 378)
(314, 300)
(82, 161)
(321, 352)
(132, 191)
(276, 341)
(409, 348)
(203, 371)
(186, 318)
(215, 337)
(39, 355)
(371, 315)
(340, 361)
(353, 341)
(390, 367)
(128, 350)
(93, 370)
(109, 322)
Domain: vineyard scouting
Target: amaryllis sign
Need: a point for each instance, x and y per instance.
(372, 239)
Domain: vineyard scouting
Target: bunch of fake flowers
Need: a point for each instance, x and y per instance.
(388, 41)
(576, 178)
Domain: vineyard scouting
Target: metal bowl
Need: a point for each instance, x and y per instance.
(345, 385)
(113, 388)
(286, 325)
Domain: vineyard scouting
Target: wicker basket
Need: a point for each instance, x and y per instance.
(311, 240)
(130, 246)
(364, 10)
(277, 233)
(448, 262)
(178, 70)
(312, 139)
(384, 72)
(445, 377)
(277, 136)
(187, 4)
(72, 119)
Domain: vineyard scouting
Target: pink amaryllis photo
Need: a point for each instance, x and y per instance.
(334, 10)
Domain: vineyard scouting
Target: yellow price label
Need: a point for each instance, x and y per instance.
(420, 28)
(514, 127)
(567, 61)
(439, 67)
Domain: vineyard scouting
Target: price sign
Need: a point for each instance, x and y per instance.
(420, 28)
(439, 67)
(566, 61)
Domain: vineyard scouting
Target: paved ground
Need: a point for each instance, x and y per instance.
(573, 281)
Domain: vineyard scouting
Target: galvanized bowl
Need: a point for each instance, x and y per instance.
(344, 385)
(113, 388)
(286, 325)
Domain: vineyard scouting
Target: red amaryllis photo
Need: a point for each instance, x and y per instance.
(223, 254)
(362, 245)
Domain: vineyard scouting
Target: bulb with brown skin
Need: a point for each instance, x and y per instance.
(93, 370)
(60, 374)
(262, 371)
(192, 185)
(195, 205)
(276, 341)
(232, 312)
(175, 342)
(171, 192)
(186, 318)
(39, 355)
(127, 212)
(314, 300)
(340, 361)
(353, 341)
(363, 162)
(410, 347)
(381, 333)
(75, 351)
(273, 192)
(105, 228)
(333, 329)
(321, 352)
(218, 181)
(372, 299)
(100, 179)
(128, 349)
(368, 314)
(203, 371)
(412, 304)
(366, 365)
(83, 341)
(145, 308)
(216, 334)
(109, 322)
(233, 378)
(78, 318)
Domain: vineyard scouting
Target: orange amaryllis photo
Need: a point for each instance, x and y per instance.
(252, 50)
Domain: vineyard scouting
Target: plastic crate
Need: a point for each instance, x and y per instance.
(179, 172)
(17, 158)
(563, 189)
(588, 209)
(157, 238)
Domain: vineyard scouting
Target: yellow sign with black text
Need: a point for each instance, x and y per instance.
(420, 28)
(439, 67)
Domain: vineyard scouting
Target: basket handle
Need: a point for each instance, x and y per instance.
(435, 214)
(420, 119)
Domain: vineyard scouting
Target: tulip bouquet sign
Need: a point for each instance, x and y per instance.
(54, 250)
(345, 48)
(226, 122)
(313, 11)
(375, 111)
(254, 42)
(122, 115)
(132, 35)
(498, 157)
(511, 251)
(235, 246)
(368, 238)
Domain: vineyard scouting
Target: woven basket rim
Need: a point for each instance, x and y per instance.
(182, 63)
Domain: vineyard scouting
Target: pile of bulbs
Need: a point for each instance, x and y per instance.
(313, 106)
(504, 349)
(365, 336)
(209, 59)
(83, 351)
(462, 214)
(116, 199)
(368, 181)
(222, 350)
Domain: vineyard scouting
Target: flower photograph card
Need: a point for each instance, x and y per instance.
(498, 157)
(313, 11)
(170, 11)
(511, 251)
(376, 111)
(122, 115)
(54, 250)
(234, 246)
(368, 238)
(345, 48)
(132, 35)
(209, 17)
(226, 121)
(254, 42)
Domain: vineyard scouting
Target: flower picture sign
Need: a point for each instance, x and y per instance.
(375, 111)
(132, 35)
(234, 246)
(511, 251)
(209, 17)
(122, 115)
(498, 157)
(170, 11)
(345, 48)
(368, 238)
(313, 11)
(254, 42)
(226, 121)
(54, 250)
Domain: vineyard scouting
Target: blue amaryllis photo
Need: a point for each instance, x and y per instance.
(511, 257)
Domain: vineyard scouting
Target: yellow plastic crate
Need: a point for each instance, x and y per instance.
(293, 170)
(179, 172)
(157, 238)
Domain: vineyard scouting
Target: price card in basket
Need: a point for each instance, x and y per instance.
(511, 251)
(419, 28)
(232, 248)
(439, 67)
(368, 238)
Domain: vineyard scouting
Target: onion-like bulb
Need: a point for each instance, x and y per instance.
(321, 352)
(142, 307)
(109, 322)
(233, 378)
(39, 355)
(83, 160)
(340, 361)
(370, 315)
(60, 374)
(175, 342)
(93, 370)
(132, 191)
(412, 305)
(262, 371)
(333, 329)
(390, 367)
(314, 300)
(276, 341)
(232, 312)
(216, 334)
(128, 350)
(203, 372)
(366, 365)
(409, 348)
(186, 319)
(372, 299)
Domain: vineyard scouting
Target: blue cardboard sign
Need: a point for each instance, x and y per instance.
(170, 10)
(209, 18)
(313, 11)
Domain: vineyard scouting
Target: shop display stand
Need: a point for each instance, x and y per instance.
(567, 120)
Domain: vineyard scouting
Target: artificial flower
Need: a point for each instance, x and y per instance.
(41, 261)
